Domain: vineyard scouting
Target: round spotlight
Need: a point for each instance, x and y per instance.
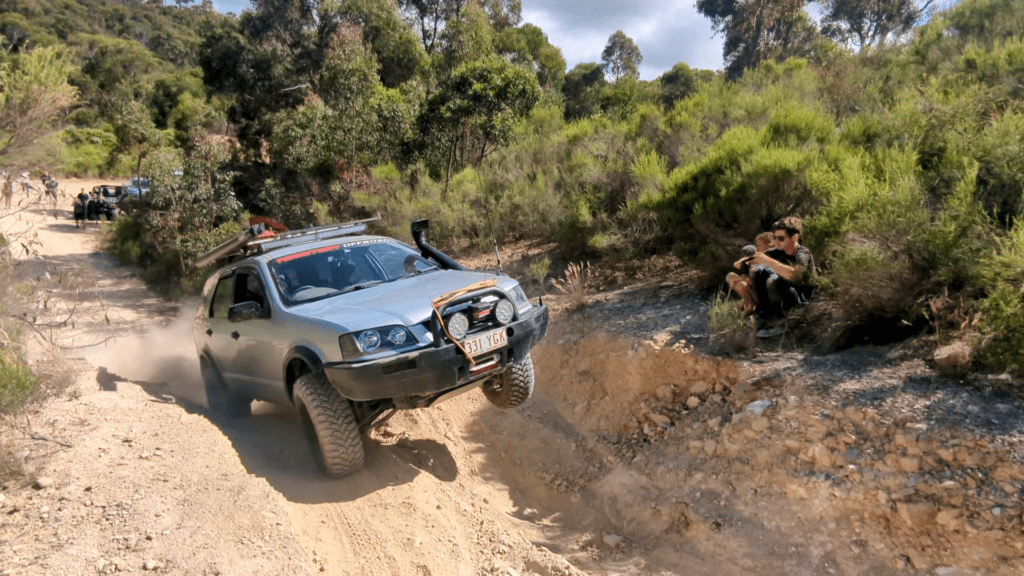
(504, 311)
(397, 336)
(369, 341)
(458, 325)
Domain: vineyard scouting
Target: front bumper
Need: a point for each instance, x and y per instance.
(414, 378)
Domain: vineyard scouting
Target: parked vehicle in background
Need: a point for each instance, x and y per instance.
(105, 202)
(351, 328)
(137, 186)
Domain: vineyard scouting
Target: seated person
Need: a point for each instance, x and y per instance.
(741, 282)
(784, 278)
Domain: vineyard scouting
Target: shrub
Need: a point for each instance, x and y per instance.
(88, 151)
(1001, 273)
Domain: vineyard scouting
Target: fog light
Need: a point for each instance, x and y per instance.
(504, 311)
(458, 325)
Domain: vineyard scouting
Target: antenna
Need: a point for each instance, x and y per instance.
(490, 222)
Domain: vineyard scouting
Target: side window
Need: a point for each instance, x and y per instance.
(249, 288)
(223, 296)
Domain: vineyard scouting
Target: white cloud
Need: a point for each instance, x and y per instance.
(665, 32)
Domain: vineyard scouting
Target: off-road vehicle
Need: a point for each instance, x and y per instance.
(350, 328)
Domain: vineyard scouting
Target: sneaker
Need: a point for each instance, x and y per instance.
(771, 332)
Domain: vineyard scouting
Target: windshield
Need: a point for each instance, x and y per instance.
(345, 267)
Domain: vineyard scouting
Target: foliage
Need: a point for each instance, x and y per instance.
(871, 23)
(757, 31)
(88, 151)
(34, 93)
(677, 84)
(621, 56)
(182, 216)
(582, 90)
(476, 111)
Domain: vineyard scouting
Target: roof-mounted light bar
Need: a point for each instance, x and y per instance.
(309, 235)
(248, 241)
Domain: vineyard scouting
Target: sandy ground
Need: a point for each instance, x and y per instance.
(636, 455)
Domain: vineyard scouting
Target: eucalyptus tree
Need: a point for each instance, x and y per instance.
(475, 112)
(621, 56)
(758, 30)
(871, 23)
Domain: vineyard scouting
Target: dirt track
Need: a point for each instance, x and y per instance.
(635, 456)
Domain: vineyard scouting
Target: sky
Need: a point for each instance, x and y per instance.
(667, 31)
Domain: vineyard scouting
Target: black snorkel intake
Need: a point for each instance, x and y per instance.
(428, 251)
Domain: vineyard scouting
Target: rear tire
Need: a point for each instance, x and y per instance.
(513, 386)
(330, 425)
(219, 399)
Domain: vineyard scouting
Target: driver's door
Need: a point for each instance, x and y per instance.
(257, 364)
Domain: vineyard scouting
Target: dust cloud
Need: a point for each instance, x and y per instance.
(162, 360)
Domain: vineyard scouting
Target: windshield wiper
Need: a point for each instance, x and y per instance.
(361, 286)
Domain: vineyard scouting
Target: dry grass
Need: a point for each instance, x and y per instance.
(12, 465)
(576, 282)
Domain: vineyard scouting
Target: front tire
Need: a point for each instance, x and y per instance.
(513, 386)
(330, 425)
(219, 399)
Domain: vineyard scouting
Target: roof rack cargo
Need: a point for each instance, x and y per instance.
(248, 242)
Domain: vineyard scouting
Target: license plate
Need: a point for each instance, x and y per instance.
(485, 342)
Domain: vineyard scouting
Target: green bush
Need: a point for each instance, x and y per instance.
(1001, 273)
(88, 151)
(17, 382)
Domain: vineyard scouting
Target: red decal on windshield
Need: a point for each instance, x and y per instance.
(298, 255)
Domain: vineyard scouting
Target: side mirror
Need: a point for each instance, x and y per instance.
(245, 311)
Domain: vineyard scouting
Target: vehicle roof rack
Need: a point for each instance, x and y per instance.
(248, 242)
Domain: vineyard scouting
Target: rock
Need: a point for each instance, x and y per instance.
(758, 407)
(699, 387)
(666, 392)
(149, 565)
(954, 360)
(612, 540)
(715, 422)
(42, 483)
(2, 498)
(709, 447)
(692, 402)
(759, 424)
(660, 420)
(945, 571)
(917, 515)
(911, 464)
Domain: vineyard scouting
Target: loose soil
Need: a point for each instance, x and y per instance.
(638, 453)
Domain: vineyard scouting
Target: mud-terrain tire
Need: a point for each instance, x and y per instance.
(219, 399)
(330, 425)
(513, 386)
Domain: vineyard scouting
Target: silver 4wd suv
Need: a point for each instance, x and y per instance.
(350, 328)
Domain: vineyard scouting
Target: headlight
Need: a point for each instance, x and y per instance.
(519, 298)
(357, 344)
(504, 311)
(458, 325)
(368, 341)
(397, 336)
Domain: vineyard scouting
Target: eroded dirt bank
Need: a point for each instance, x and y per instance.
(637, 455)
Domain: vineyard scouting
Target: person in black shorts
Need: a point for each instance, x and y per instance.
(785, 277)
